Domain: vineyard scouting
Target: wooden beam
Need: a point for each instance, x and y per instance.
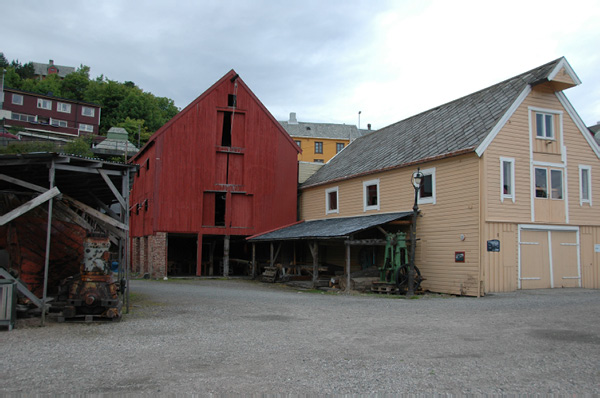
(22, 183)
(347, 267)
(113, 189)
(103, 206)
(22, 288)
(93, 169)
(25, 207)
(366, 242)
(95, 213)
(253, 260)
(383, 231)
(314, 249)
(400, 222)
(277, 252)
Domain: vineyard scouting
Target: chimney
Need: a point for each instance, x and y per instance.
(293, 118)
(369, 126)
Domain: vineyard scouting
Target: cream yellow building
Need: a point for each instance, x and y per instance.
(510, 199)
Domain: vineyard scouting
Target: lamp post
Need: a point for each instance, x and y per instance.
(417, 179)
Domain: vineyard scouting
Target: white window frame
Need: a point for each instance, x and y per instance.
(551, 186)
(365, 195)
(503, 195)
(17, 99)
(86, 127)
(91, 111)
(63, 107)
(544, 116)
(548, 189)
(41, 103)
(328, 210)
(58, 123)
(582, 200)
(431, 199)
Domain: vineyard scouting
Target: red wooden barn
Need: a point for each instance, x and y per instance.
(221, 170)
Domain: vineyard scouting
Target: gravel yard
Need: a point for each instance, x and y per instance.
(243, 337)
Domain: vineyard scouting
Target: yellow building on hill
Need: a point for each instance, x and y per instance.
(320, 141)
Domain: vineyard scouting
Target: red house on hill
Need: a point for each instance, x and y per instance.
(219, 171)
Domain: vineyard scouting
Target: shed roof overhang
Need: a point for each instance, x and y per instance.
(328, 228)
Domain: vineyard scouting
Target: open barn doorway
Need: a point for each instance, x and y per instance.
(182, 254)
(213, 255)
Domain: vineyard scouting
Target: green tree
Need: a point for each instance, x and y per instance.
(3, 61)
(80, 146)
(75, 84)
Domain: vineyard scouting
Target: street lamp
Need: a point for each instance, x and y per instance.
(417, 179)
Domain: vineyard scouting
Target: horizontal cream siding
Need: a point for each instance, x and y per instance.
(590, 259)
(439, 228)
(511, 142)
(579, 152)
(501, 269)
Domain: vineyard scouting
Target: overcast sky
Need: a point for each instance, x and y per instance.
(324, 60)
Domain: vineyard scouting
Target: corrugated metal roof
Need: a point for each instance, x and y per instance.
(458, 126)
(329, 228)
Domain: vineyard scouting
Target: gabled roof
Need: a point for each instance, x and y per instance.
(461, 126)
(322, 130)
(41, 69)
(228, 76)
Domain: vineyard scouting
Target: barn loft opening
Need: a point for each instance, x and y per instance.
(231, 100)
(182, 252)
(220, 205)
(226, 134)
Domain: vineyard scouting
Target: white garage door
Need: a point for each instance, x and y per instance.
(549, 259)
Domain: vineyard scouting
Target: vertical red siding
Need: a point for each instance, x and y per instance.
(189, 163)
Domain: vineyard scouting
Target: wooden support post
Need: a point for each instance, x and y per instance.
(226, 256)
(253, 260)
(314, 249)
(127, 240)
(48, 235)
(272, 258)
(347, 268)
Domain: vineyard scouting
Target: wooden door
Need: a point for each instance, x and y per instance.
(565, 264)
(535, 260)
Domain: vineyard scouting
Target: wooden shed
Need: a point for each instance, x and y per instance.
(221, 170)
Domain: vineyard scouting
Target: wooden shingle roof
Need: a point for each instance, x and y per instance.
(451, 129)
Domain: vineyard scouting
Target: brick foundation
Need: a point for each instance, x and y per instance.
(149, 255)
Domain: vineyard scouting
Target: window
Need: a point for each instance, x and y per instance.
(507, 179)
(44, 104)
(553, 188)
(339, 146)
(371, 195)
(299, 143)
(331, 201)
(231, 100)
(556, 182)
(62, 107)
(59, 123)
(23, 118)
(427, 188)
(318, 147)
(544, 125)
(86, 127)
(585, 185)
(541, 183)
(220, 206)
(319, 161)
(87, 111)
(17, 99)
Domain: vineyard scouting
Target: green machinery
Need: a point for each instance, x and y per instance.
(396, 265)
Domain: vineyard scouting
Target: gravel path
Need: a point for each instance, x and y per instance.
(241, 337)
